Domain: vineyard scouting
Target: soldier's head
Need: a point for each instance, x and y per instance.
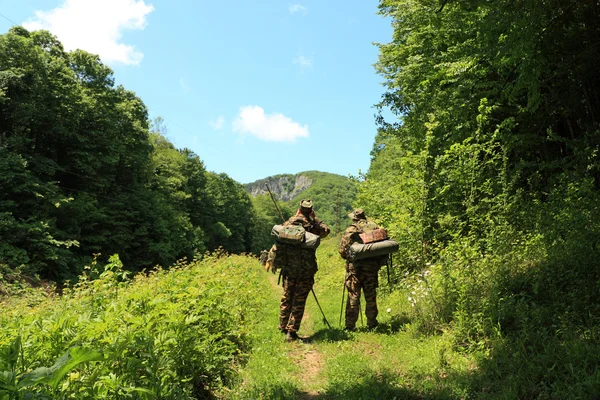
(306, 207)
(357, 214)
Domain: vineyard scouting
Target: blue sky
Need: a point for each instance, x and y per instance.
(255, 88)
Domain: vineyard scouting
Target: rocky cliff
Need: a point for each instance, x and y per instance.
(333, 195)
(285, 187)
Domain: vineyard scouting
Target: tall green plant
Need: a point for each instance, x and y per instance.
(497, 121)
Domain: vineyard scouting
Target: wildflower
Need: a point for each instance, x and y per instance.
(388, 310)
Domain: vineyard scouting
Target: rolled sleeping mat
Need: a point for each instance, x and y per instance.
(311, 241)
(359, 251)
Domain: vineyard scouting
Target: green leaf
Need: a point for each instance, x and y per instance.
(140, 390)
(10, 355)
(7, 381)
(52, 375)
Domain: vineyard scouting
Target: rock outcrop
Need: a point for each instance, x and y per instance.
(285, 187)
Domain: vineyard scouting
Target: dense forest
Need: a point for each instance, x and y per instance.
(490, 180)
(83, 171)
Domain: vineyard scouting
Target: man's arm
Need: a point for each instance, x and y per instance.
(322, 228)
(348, 238)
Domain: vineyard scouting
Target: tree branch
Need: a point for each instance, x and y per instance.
(442, 7)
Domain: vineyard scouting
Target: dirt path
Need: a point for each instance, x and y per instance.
(310, 363)
(306, 356)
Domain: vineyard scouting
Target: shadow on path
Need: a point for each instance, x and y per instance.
(328, 335)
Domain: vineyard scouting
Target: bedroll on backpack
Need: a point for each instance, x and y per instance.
(309, 240)
(359, 251)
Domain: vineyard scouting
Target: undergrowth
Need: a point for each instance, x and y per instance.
(168, 334)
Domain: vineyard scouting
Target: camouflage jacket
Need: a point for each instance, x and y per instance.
(263, 257)
(310, 224)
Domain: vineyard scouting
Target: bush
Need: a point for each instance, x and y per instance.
(166, 334)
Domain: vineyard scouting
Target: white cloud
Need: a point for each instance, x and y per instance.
(218, 123)
(268, 127)
(304, 62)
(297, 8)
(185, 87)
(95, 26)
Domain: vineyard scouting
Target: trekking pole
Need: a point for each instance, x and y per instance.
(342, 307)
(324, 317)
(388, 271)
(362, 322)
(392, 265)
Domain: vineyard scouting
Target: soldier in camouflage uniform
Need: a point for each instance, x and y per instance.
(299, 271)
(263, 257)
(360, 274)
(270, 265)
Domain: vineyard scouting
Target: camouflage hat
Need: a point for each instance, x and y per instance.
(306, 203)
(358, 213)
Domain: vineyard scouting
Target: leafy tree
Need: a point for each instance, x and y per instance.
(493, 163)
(230, 216)
(80, 166)
(266, 216)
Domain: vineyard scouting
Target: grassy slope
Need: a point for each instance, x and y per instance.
(175, 334)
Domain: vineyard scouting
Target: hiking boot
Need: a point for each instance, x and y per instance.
(350, 329)
(373, 326)
(282, 330)
(291, 336)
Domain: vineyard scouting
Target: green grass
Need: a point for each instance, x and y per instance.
(393, 361)
(411, 355)
(267, 374)
(208, 330)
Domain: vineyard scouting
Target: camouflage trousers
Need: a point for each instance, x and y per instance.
(293, 300)
(368, 282)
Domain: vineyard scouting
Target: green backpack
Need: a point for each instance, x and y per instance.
(291, 234)
(288, 260)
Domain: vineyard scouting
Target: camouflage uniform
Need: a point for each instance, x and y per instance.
(360, 274)
(270, 264)
(299, 271)
(263, 257)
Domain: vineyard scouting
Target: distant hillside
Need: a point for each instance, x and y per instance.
(333, 195)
